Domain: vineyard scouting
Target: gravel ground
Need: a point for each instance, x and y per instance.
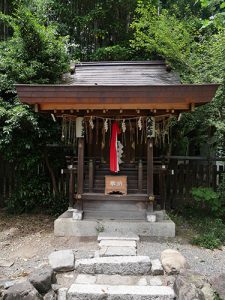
(26, 241)
(204, 261)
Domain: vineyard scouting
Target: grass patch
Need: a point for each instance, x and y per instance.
(206, 231)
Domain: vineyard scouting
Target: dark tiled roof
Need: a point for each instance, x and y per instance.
(122, 73)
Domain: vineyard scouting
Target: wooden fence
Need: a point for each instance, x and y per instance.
(180, 175)
(184, 173)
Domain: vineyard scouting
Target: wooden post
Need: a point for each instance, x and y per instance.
(140, 176)
(150, 191)
(71, 188)
(80, 172)
(91, 175)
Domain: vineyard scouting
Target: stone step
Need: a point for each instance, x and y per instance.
(130, 236)
(117, 251)
(120, 280)
(122, 265)
(117, 243)
(119, 292)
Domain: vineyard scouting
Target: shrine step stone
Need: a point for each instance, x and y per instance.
(117, 251)
(119, 292)
(122, 265)
(118, 236)
(117, 243)
(103, 279)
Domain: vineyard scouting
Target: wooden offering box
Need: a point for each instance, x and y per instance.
(116, 184)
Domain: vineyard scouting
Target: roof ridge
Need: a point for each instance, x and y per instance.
(120, 63)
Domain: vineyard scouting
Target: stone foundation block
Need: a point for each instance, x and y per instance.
(117, 251)
(62, 260)
(157, 268)
(122, 265)
(119, 292)
(117, 243)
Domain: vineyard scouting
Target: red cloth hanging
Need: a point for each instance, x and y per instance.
(114, 165)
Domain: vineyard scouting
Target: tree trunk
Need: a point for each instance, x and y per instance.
(51, 172)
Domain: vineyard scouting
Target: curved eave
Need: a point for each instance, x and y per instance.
(63, 97)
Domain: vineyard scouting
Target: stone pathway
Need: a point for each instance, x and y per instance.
(117, 245)
(112, 274)
(116, 272)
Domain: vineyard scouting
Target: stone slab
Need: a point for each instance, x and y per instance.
(62, 294)
(42, 279)
(66, 226)
(122, 265)
(6, 263)
(218, 284)
(151, 218)
(157, 268)
(155, 281)
(117, 251)
(24, 290)
(119, 280)
(65, 279)
(119, 292)
(104, 279)
(117, 243)
(62, 260)
(77, 215)
(86, 279)
(130, 236)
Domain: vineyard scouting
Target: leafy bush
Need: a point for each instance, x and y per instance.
(207, 240)
(208, 199)
(35, 53)
(201, 230)
(211, 232)
(35, 193)
(112, 53)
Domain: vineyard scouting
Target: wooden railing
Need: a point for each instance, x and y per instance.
(185, 172)
(174, 177)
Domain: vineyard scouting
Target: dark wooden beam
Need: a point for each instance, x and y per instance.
(140, 176)
(71, 188)
(150, 167)
(80, 173)
(91, 176)
(178, 96)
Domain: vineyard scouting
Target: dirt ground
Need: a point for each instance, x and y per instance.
(27, 240)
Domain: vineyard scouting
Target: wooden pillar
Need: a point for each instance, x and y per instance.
(71, 188)
(80, 172)
(150, 191)
(91, 175)
(140, 176)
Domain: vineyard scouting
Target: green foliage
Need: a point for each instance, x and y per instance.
(206, 198)
(35, 194)
(207, 240)
(112, 53)
(217, 8)
(205, 231)
(161, 36)
(35, 53)
(92, 24)
(211, 232)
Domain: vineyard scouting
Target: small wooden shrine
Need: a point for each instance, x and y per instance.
(117, 115)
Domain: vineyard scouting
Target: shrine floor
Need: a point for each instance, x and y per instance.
(66, 225)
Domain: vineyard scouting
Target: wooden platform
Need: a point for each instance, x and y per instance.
(114, 207)
(66, 226)
(115, 197)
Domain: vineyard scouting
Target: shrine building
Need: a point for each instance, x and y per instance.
(116, 116)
